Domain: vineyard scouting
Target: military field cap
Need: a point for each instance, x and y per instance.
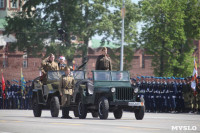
(61, 58)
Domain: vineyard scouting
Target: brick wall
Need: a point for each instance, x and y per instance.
(140, 64)
(14, 65)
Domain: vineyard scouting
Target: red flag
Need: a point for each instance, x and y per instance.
(3, 83)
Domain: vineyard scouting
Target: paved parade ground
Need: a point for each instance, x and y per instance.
(22, 121)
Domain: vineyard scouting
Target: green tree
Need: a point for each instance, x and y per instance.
(165, 37)
(81, 18)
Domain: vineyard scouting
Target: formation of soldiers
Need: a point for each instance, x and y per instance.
(168, 94)
(15, 97)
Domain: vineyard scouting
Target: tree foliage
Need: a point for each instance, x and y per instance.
(167, 35)
(81, 18)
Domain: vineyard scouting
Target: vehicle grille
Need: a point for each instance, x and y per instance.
(124, 93)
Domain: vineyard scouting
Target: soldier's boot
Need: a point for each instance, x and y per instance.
(67, 113)
(64, 116)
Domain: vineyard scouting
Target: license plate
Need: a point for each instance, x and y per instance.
(135, 104)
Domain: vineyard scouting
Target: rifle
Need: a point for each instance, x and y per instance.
(86, 60)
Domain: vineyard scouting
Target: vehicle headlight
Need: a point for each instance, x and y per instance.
(113, 89)
(136, 90)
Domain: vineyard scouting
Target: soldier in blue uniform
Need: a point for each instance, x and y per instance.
(152, 97)
(15, 96)
(168, 94)
(164, 96)
(19, 93)
(179, 96)
(30, 96)
(8, 98)
(173, 92)
(26, 97)
(147, 96)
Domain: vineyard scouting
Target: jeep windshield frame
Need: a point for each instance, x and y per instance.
(54, 75)
(78, 75)
(109, 78)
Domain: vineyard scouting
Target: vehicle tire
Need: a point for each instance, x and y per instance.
(139, 113)
(37, 108)
(82, 110)
(94, 114)
(54, 106)
(103, 108)
(118, 113)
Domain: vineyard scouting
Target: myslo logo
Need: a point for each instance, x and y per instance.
(184, 128)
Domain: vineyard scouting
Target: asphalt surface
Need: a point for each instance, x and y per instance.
(23, 121)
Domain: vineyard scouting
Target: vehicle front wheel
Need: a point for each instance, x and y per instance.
(139, 113)
(118, 113)
(103, 108)
(54, 106)
(82, 110)
(37, 108)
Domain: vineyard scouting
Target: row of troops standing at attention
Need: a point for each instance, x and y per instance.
(170, 94)
(15, 97)
(67, 82)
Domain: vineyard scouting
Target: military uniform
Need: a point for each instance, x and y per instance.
(103, 63)
(66, 90)
(46, 66)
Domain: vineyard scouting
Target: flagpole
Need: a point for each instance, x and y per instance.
(122, 43)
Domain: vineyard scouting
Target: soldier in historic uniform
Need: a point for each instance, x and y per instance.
(62, 63)
(66, 90)
(103, 61)
(48, 64)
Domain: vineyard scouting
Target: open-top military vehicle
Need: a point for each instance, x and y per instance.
(110, 91)
(48, 97)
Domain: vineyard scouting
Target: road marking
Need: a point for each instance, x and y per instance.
(140, 128)
(71, 124)
(18, 121)
(4, 121)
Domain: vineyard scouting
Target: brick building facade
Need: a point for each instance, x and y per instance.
(11, 63)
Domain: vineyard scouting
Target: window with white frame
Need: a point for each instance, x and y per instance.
(14, 3)
(1, 3)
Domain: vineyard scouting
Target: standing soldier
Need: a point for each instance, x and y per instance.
(173, 92)
(30, 96)
(48, 64)
(16, 96)
(62, 63)
(66, 90)
(103, 61)
(26, 98)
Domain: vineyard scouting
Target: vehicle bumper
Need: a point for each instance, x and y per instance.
(130, 104)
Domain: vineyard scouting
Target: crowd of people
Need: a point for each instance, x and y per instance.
(15, 97)
(170, 94)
